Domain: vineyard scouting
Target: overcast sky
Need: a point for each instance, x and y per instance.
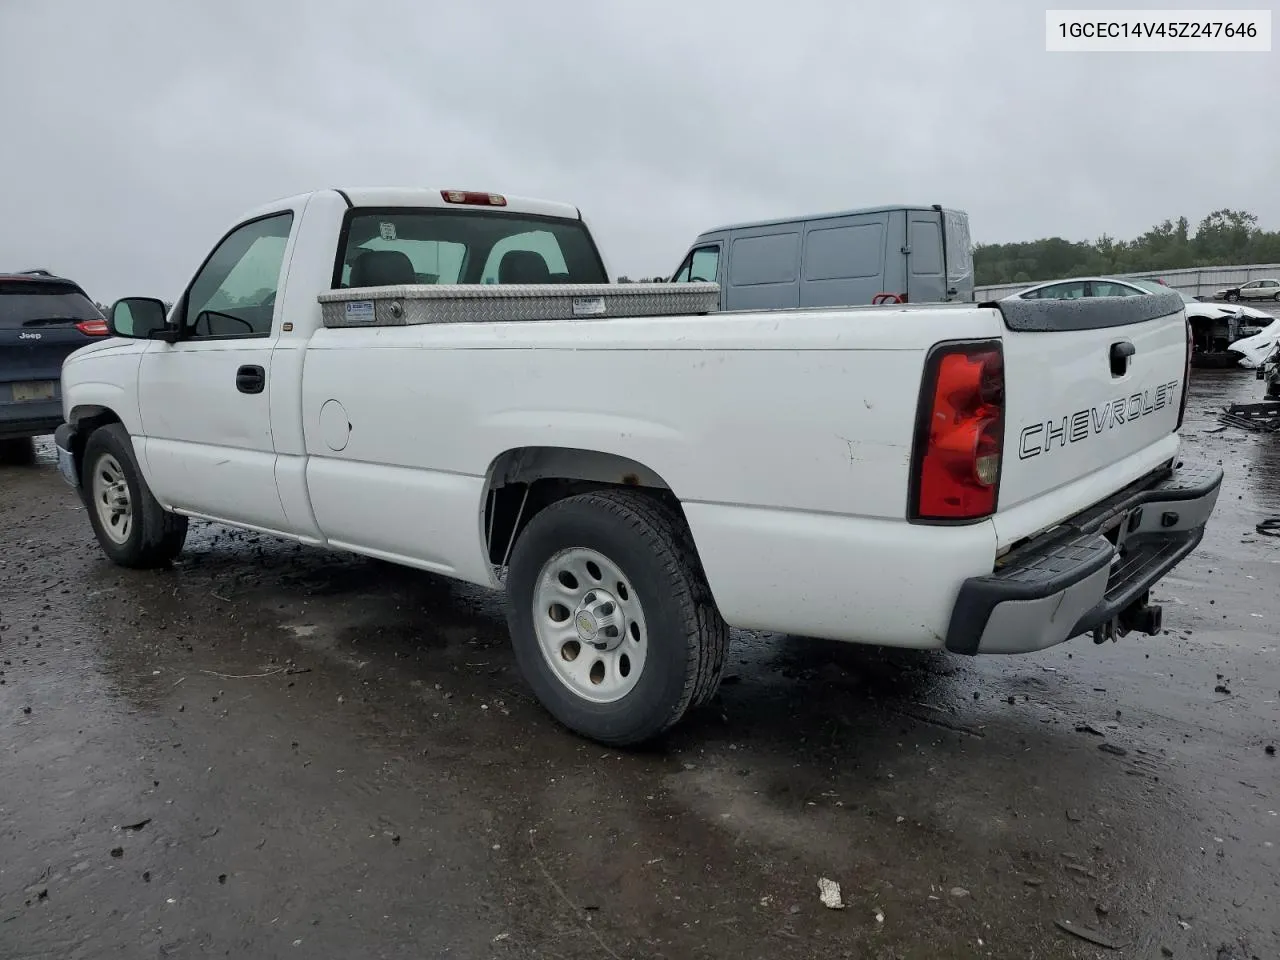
(135, 132)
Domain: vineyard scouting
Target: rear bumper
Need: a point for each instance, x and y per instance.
(63, 441)
(29, 419)
(1082, 582)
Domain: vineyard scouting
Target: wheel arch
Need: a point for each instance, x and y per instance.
(86, 418)
(522, 481)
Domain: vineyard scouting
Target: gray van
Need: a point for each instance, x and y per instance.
(894, 254)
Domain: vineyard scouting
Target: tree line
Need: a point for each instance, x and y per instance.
(1222, 238)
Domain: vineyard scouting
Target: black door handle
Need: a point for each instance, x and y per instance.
(1120, 354)
(251, 379)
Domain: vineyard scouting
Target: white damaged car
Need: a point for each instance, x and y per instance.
(1251, 351)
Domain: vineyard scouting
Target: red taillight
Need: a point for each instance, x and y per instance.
(1186, 379)
(959, 433)
(474, 197)
(93, 328)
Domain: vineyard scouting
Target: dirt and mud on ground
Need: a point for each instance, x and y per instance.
(269, 751)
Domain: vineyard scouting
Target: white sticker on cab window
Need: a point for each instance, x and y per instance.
(360, 311)
(588, 306)
(387, 231)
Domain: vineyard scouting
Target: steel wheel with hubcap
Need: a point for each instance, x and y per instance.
(110, 494)
(590, 625)
(611, 618)
(132, 528)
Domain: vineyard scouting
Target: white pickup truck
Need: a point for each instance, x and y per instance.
(444, 380)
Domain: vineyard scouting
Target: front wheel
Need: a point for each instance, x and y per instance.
(611, 617)
(131, 527)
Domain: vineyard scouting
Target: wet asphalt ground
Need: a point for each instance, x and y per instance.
(270, 751)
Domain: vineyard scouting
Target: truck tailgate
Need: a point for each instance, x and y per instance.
(1090, 384)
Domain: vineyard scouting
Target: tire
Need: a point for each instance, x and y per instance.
(138, 532)
(19, 452)
(1276, 296)
(1232, 297)
(639, 580)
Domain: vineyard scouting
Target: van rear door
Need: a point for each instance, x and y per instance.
(925, 283)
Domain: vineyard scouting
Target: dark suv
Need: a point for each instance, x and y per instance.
(43, 318)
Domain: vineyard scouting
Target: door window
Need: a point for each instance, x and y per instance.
(704, 263)
(1072, 290)
(234, 293)
(1107, 288)
(699, 266)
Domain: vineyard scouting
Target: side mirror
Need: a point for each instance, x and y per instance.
(138, 318)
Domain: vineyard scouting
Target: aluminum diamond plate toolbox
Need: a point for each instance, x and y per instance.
(499, 303)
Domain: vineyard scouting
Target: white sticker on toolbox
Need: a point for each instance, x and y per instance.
(387, 231)
(359, 311)
(588, 306)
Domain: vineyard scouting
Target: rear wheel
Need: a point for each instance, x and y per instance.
(131, 527)
(611, 618)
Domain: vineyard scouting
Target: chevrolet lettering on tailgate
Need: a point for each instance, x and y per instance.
(1039, 438)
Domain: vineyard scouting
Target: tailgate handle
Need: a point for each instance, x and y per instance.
(251, 379)
(1120, 354)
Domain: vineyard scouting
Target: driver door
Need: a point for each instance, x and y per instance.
(205, 399)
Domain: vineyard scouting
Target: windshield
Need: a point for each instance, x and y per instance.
(36, 302)
(434, 246)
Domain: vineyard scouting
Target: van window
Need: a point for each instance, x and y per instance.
(769, 259)
(844, 253)
(699, 266)
(704, 263)
(926, 247)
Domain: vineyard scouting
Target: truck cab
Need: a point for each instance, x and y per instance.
(900, 254)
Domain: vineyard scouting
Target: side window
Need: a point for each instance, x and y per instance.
(703, 265)
(540, 243)
(234, 294)
(767, 259)
(1105, 288)
(1073, 290)
(844, 253)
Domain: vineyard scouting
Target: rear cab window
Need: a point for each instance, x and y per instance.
(43, 303)
(429, 245)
